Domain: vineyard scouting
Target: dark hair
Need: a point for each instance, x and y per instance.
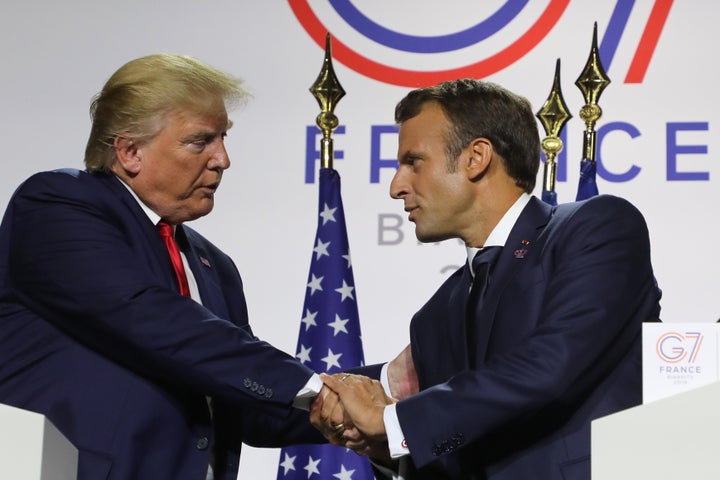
(475, 109)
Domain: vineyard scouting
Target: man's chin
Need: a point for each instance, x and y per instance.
(429, 237)
(201, 211)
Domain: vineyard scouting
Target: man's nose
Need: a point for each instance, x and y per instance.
(398, 185)
(220, 159)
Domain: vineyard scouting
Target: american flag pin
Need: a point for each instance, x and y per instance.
(205, 262)
(520, 253)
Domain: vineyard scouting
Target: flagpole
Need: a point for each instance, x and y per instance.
(591, 82)
(553, 115)
(328, 92)
(330, 339)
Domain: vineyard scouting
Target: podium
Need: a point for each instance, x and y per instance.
(31, 448)
(670, 438)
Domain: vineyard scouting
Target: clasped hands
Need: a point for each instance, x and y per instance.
(349, 412)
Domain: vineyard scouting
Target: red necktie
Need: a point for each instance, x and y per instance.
(166, 232)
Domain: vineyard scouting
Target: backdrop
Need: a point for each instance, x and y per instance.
(657, 141)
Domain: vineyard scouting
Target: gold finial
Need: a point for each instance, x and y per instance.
(553, 115)
(591, 82)
(328, 92)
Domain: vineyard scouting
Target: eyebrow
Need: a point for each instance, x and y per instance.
(202, 134)
(408, 154)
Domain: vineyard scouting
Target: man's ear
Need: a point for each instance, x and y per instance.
(128, 155)
(480, 156)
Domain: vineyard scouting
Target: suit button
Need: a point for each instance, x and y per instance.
(202, 443)
(261, 390)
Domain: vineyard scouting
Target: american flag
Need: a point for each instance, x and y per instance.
(329, 339)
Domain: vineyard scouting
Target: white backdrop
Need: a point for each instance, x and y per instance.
(57, 55)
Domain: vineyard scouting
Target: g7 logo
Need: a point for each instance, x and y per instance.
(381, 69)
(674, 347)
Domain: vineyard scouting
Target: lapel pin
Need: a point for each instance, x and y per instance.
(205, 262)
(521, 252)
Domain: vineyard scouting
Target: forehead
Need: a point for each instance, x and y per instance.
(197, 118)
(430, 125)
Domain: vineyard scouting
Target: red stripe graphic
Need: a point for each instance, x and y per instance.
(410, 78)
(648, 41)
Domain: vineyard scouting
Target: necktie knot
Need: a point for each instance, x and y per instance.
(166, 233)
(485, 258)
(165, 229)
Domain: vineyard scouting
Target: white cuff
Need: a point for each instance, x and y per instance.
(396, 439)
(307, 394)
(384, 380)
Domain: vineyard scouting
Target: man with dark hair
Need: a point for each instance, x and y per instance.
(536, 336)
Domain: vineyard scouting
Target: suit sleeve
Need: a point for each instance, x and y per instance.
(78, 261)
(598, 288)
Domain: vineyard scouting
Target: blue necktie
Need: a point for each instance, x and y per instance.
(482, 264)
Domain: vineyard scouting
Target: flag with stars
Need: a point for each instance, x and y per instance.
(329, 339)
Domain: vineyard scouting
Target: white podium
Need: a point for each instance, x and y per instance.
(672, 438)
(31, 448)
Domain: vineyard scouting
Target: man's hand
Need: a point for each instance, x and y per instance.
(402, 376)
(328, 416)
(363, 400)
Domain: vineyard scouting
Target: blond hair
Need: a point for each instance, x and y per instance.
(139, 94)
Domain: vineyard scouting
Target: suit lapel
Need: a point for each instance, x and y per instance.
(203, 271)
(518, 251)
(153, 247)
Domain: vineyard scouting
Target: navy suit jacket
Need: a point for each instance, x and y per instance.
(558, 344)
(94, 334)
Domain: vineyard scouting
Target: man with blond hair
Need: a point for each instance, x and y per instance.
(133, 341)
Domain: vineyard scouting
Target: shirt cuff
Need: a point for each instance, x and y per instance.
(396, 438)
(384, 380)
(307, 394)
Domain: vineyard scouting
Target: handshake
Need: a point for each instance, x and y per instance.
(349, 411)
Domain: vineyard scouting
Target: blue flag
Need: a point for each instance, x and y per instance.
(329, 339)
(549, 197)
(587, 187)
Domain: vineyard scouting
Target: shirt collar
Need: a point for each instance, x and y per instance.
(152, 216)
(499, 235)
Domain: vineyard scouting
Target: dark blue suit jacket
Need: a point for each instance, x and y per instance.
(94, 334)
(558, 344)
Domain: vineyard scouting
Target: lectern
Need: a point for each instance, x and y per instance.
(31, 448)
(672, 438)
